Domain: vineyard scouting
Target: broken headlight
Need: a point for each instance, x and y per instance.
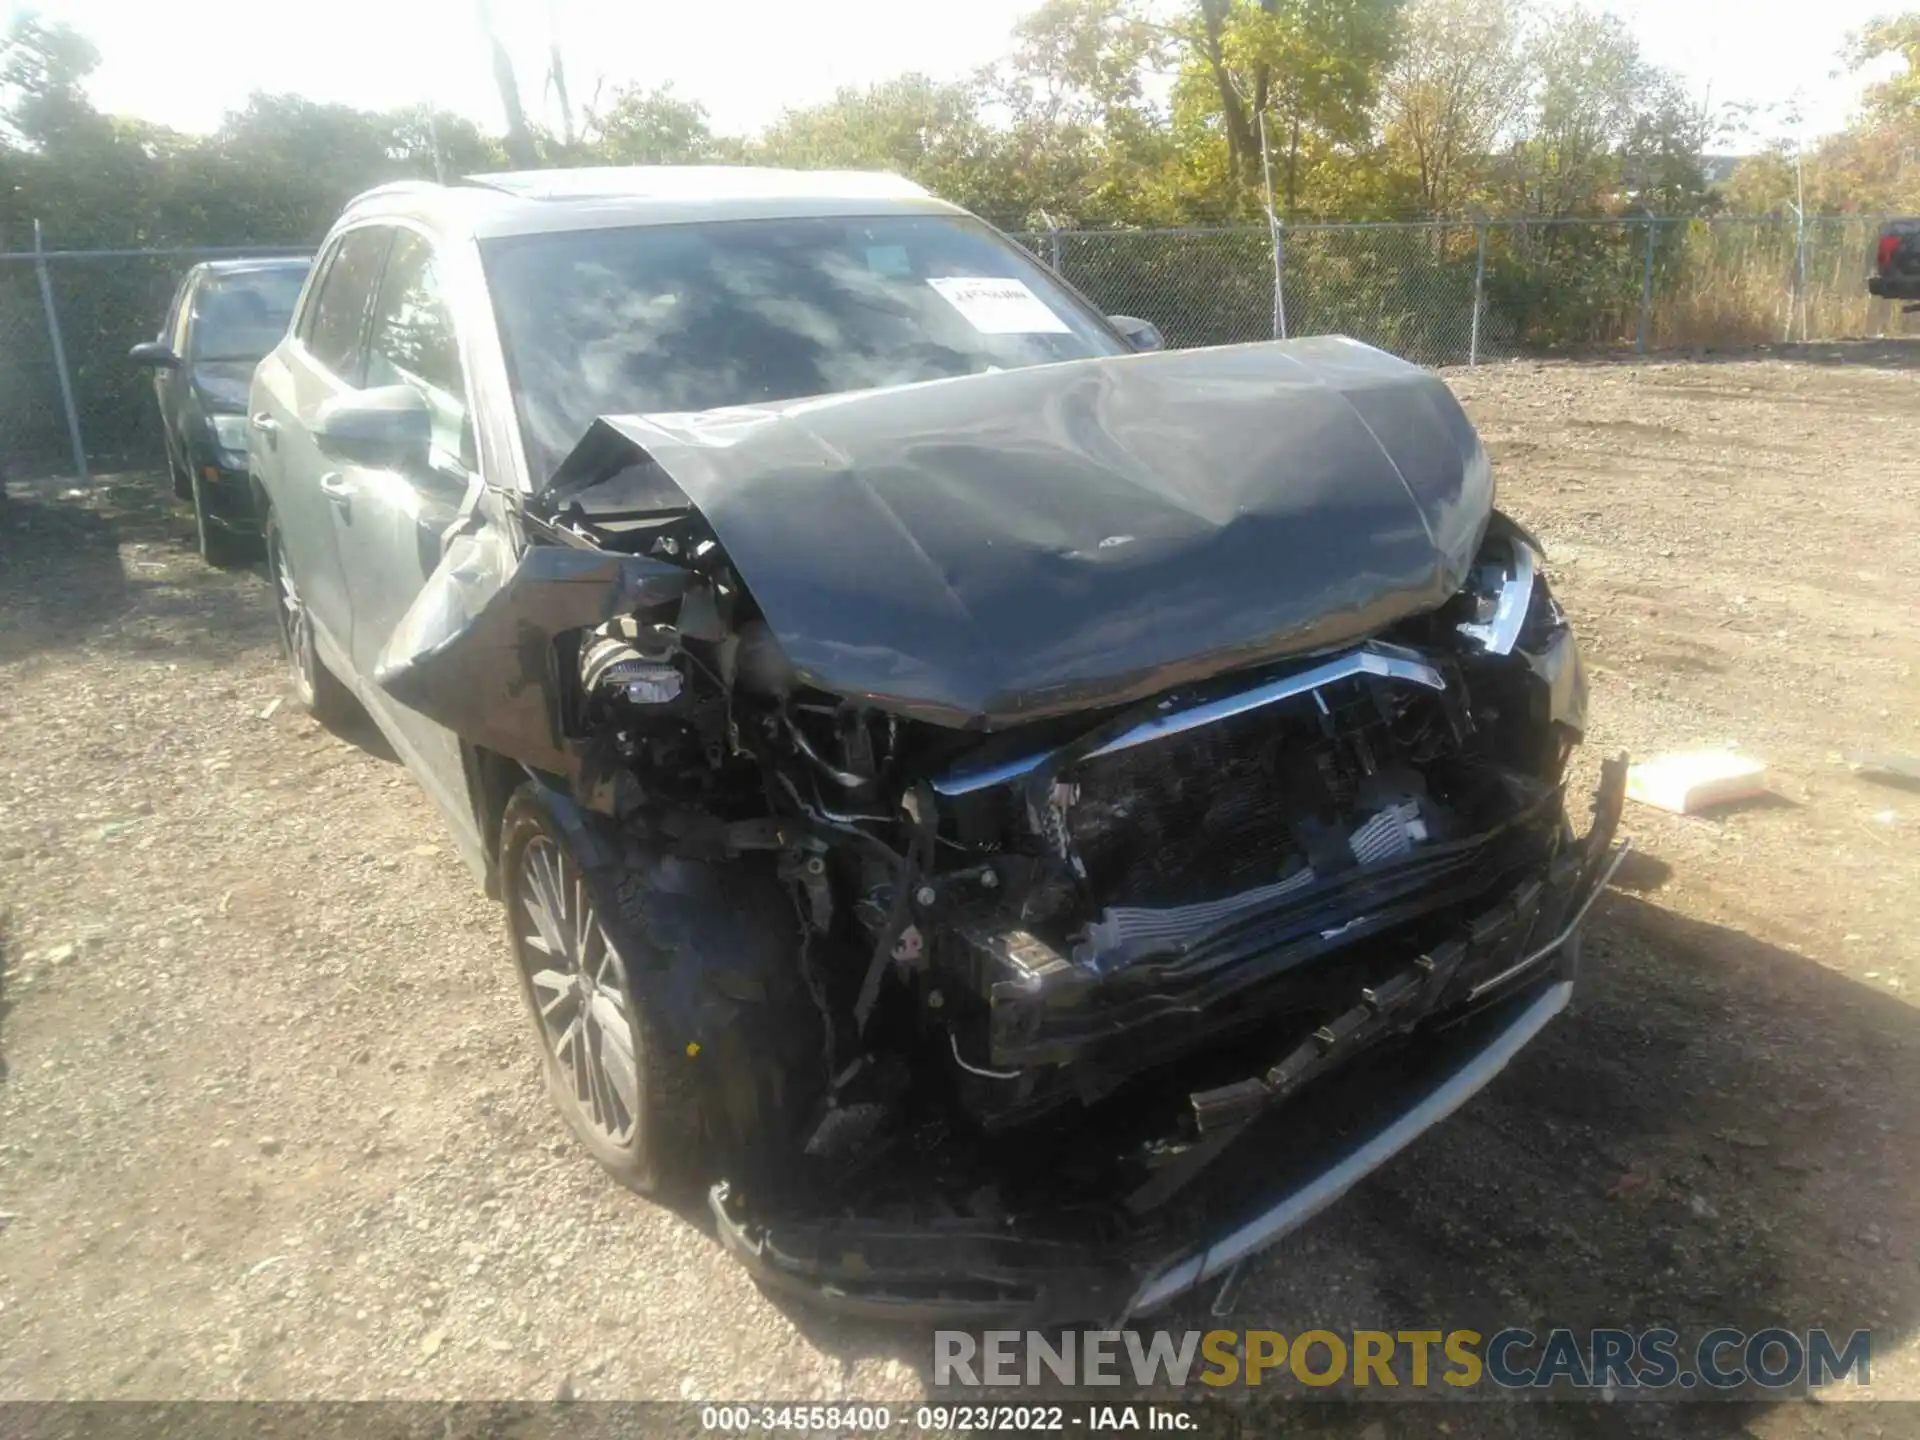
(611, 665)
(1501, 588)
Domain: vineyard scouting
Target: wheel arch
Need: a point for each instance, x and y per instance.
(491, 781)
(715, 950)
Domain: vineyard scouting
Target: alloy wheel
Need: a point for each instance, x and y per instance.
(296, 637)
(579, 986)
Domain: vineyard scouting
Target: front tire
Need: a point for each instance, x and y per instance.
(609, 1067)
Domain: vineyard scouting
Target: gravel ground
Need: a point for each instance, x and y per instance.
(270, 1118)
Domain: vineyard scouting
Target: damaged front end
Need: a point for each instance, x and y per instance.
(1129, 759)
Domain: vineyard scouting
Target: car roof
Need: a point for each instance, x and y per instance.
(525, 202)
(253, 263)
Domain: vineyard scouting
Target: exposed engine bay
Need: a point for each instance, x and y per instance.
(1061, 921)
(1061, 939)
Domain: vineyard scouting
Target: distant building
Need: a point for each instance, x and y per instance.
(1718, 169)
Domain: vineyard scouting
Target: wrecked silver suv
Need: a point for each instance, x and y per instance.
(1024, 820)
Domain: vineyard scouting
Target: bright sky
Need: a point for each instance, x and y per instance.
(187, 62)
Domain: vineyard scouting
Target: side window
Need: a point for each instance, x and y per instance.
(333, 331)
(414, 342)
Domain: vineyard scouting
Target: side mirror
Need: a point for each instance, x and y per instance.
(1141, 334)
(387, 428)
(155, 354)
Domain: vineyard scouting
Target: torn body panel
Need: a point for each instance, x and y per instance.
(1268, 1153)
(476, 650)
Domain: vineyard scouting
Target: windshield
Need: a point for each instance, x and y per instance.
(242, 316)
(691, 317)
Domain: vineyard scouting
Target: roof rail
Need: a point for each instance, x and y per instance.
(392, 187)
(694, 182)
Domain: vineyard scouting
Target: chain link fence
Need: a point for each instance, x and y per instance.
(70, 400)
(1460, 292)
(1442, 293)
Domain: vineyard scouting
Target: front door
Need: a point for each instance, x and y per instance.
(171, 384)
(391, 521)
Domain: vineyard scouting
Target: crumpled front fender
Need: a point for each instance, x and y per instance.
(476, 651)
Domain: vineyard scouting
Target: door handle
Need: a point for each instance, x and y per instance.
(334, 486)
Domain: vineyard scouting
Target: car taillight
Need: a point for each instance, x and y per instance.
(1888, 244)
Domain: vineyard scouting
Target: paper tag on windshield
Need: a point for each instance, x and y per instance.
(994, 306)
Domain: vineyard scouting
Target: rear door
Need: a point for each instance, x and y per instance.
(325, 356)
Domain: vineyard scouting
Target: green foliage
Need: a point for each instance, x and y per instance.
(650, 127)
(1103, 114)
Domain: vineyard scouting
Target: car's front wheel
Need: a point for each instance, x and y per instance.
(610, 1069)
(313, 685)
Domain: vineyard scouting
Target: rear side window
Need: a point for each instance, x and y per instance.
(332, 330)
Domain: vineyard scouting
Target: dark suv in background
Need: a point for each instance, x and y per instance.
(225, 316)
(1896, 263)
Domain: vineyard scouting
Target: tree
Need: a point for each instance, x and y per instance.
(1081, 62)
(43, 74)
(1761, 184)
(1875, 163)
(1314, 65)
(557, 74)
(648, 127)
(1451, 96)
(519, 139)
(1894, 101)
(929, 130)
(1065, 130)
(1603, 127)
(85, 175)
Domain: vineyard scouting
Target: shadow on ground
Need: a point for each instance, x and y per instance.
(113, 564)
(1720, 1132)
(61, 575)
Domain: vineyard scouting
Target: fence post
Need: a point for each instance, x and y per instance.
(1053, 246)
(1479, 287)
(1646, 288)
(1277, 242)
(1800, 267)
(59, 357)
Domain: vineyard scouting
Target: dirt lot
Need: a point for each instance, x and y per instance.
(270, 1123)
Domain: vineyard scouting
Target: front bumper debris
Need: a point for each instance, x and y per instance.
(1467, 1007)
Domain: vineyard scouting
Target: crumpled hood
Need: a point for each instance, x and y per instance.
(999, 548)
